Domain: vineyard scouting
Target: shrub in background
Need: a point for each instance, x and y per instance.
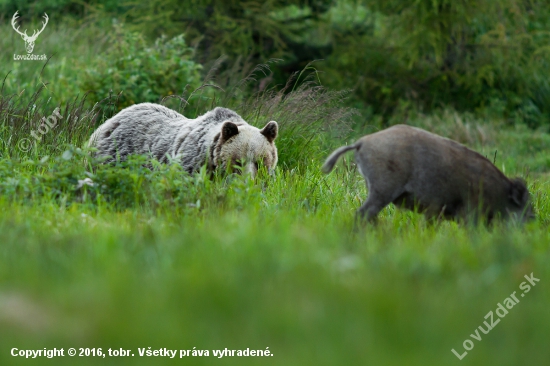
(307, 114)
(485, 56)
(465, 54)
(140, 72)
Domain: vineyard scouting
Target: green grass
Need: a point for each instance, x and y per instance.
(257, 265)
(70, 46)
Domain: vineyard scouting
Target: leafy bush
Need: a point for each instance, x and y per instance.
(73, 7)
(142, 73)
(307, 113)
(489, 56)
(439, 53)
(126, 184)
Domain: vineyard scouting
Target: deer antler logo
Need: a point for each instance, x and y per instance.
(29, 41)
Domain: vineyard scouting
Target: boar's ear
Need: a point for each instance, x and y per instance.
(518, 192)
(229, 129)
(270, 131)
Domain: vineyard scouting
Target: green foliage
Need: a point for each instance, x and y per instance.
(142, 73)
(163, 259)
(138, 257)
(307, 113)
(469, 54)
(31, 127)
(488, 57)
(123, 256)
(65, 179)
(70, 46)
(55, 8)
(259, 28)
(253, 30)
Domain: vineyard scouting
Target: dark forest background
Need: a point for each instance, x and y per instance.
(489, 57)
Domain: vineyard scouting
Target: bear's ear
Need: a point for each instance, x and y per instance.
(270, 131)
(229, 129)
(518, 192)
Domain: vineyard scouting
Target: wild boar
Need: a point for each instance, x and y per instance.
(415, 169)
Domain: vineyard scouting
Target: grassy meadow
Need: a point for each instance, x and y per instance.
(157, 258)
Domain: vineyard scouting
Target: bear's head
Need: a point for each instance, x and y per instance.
(245, 146)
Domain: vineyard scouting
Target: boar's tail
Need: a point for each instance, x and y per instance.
(333, 158)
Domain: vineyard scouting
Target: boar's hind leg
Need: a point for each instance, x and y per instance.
(373, 205)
